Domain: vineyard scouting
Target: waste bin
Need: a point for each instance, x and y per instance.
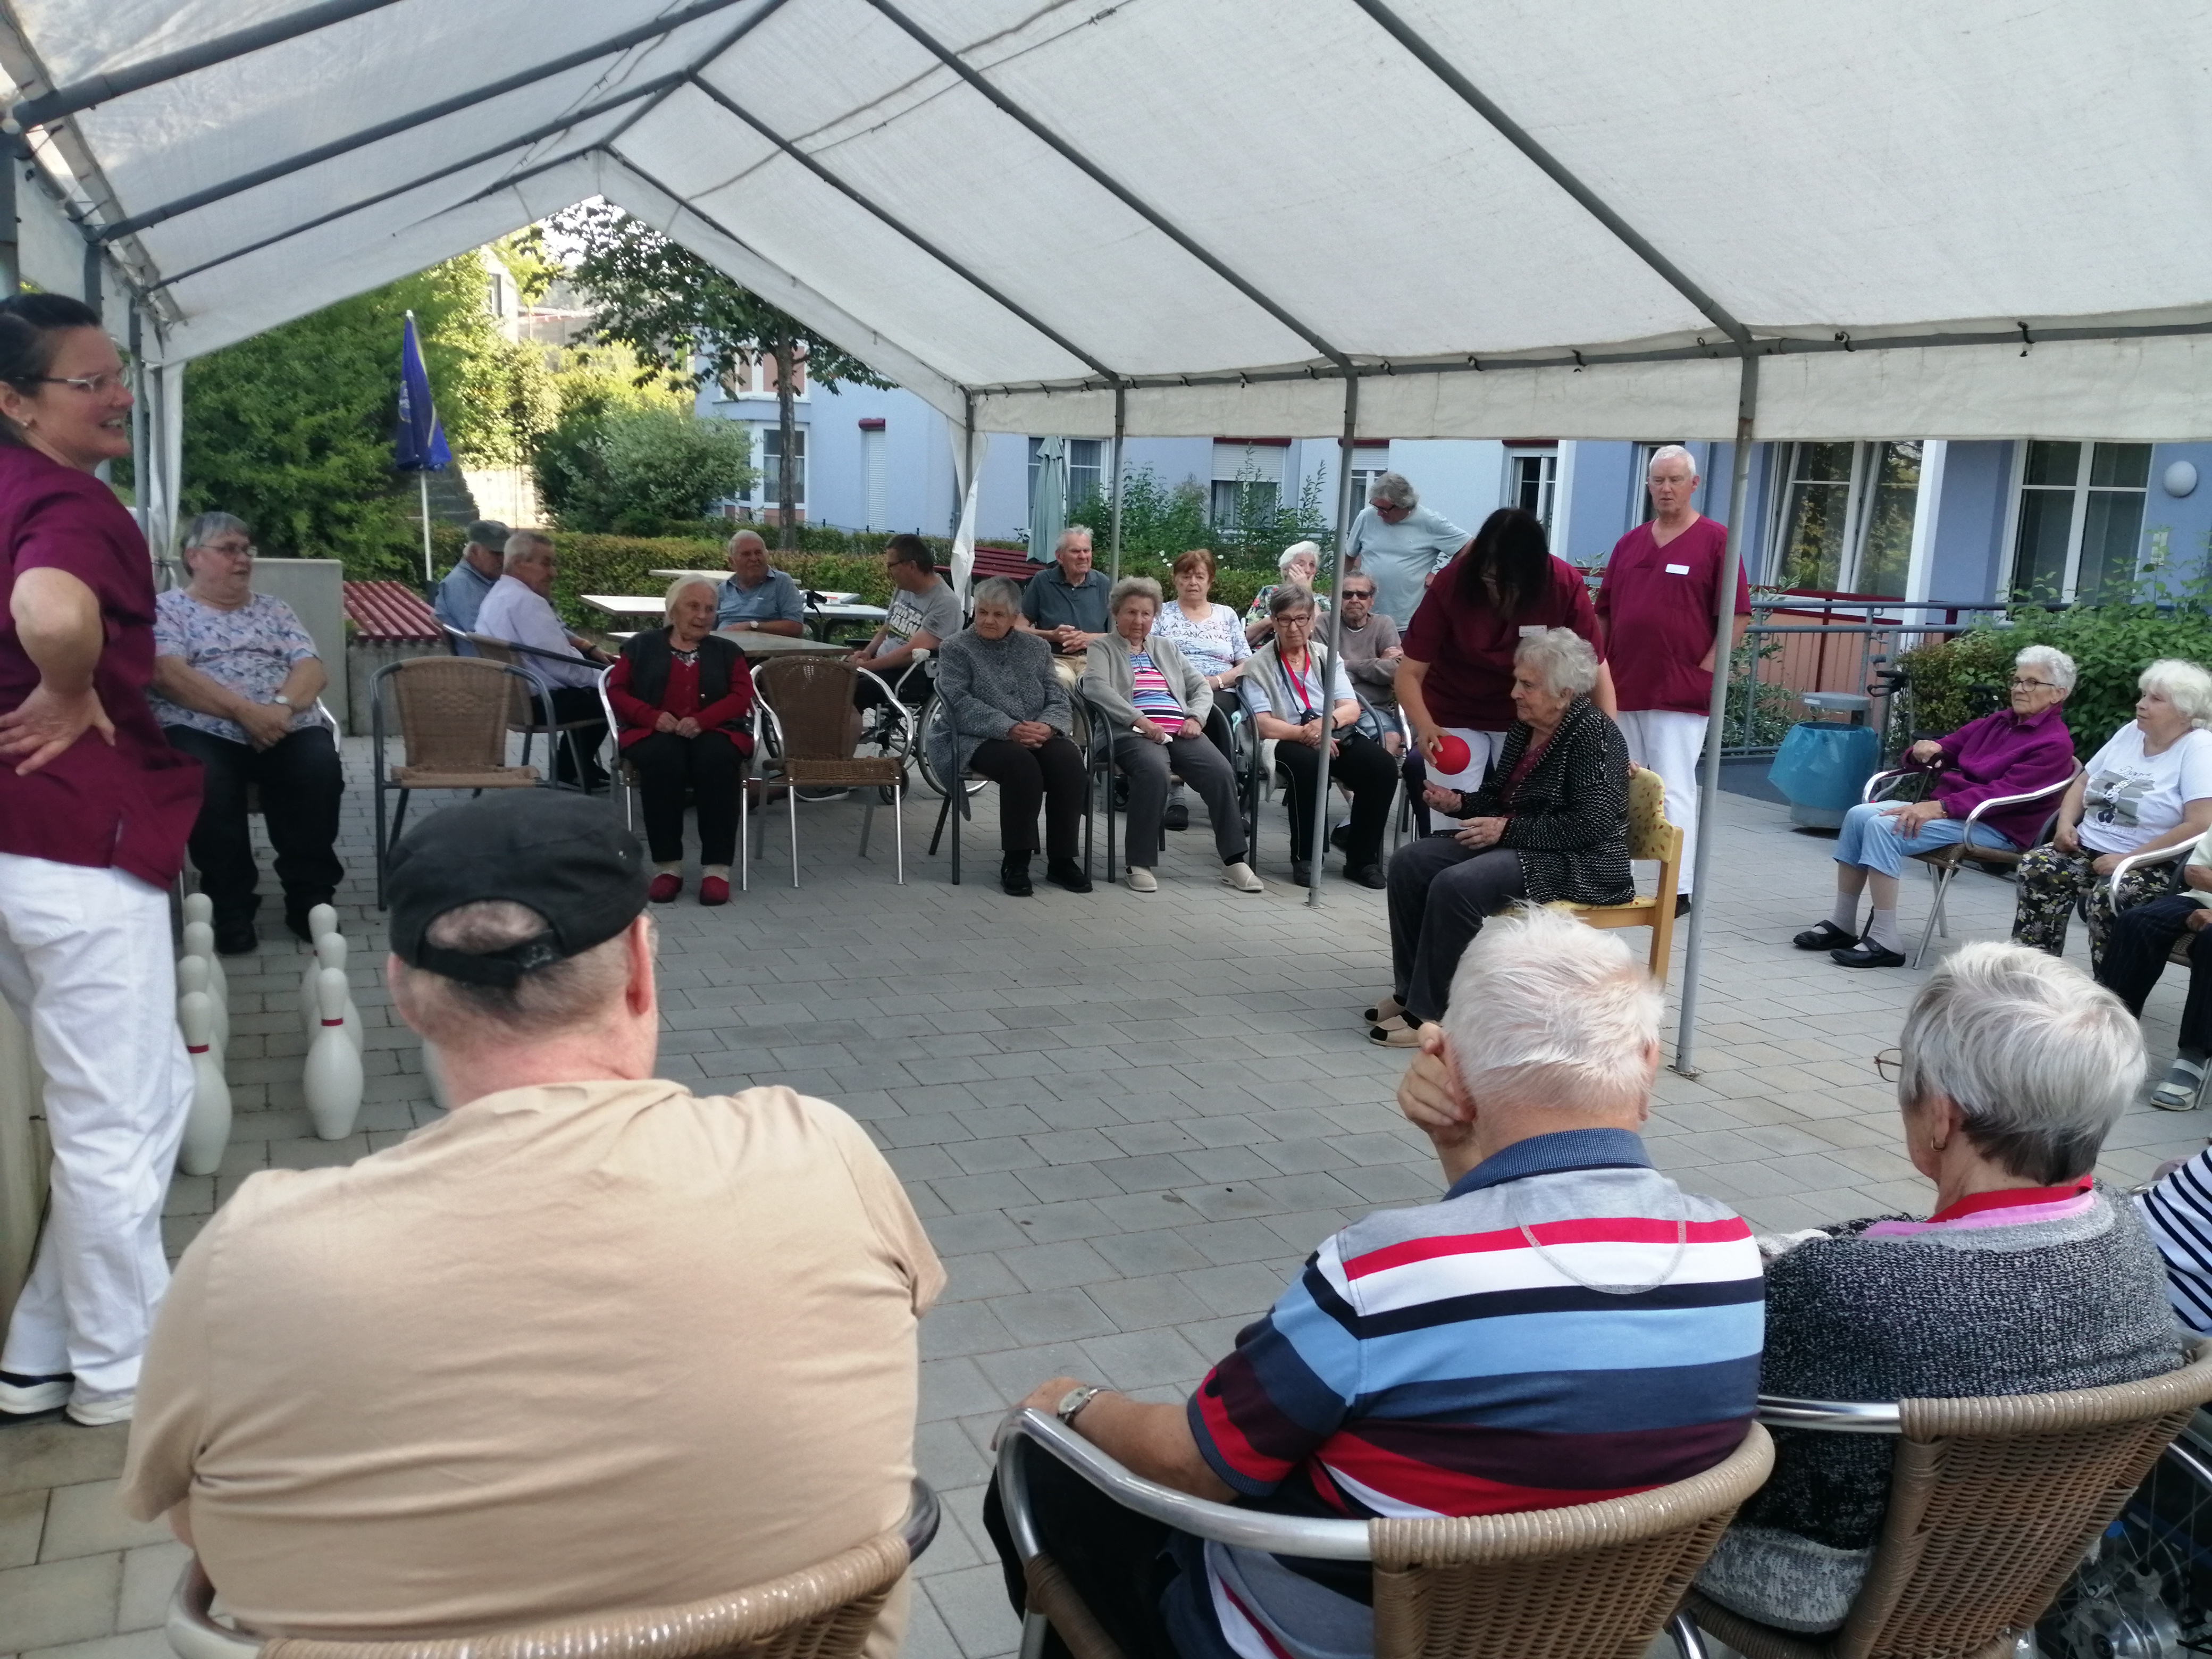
(1822, 767)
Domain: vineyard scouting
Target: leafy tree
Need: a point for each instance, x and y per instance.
(292, 430)
(632, 471)
(1160, 523)
(684, 318)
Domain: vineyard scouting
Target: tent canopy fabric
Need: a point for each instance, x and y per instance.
(1506, 217)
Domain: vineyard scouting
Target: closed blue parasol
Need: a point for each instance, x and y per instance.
(419, 444)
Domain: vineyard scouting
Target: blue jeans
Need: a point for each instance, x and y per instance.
(1870, 838)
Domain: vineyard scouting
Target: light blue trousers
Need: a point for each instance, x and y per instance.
(1870, 838)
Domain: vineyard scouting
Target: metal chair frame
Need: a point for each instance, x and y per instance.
(381, 781)
(1226, 1523)
(1943, 862)
(194, 1632)
(556, 732)
(624, 780)
(1100, 760)
(768, 745)
(956, 803)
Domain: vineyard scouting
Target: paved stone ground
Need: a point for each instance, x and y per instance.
(1125, 1121)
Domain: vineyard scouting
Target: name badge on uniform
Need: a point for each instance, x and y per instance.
(1678, 570)
(1528, 633)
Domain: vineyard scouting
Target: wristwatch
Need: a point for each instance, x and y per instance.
(1074, 1400)
(281, 698)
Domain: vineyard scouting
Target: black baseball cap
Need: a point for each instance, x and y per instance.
(568, 857)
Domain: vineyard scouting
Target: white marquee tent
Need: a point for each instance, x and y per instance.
(1410, 218)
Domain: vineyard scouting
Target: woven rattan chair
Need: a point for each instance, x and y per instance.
(821, 1611)
(1594, 1580)
(532, 710)
(452, 715)
(1944, 863)
(1650, 836)
(1991, 1503)
(809, 704)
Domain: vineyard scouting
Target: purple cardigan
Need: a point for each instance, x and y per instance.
(2000, 754)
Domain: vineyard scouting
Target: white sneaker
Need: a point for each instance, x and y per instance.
(1239, 875)
(23, 1396)
(96, 1411)
(1140, 880)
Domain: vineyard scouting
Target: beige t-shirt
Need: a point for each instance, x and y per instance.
(574, 1349)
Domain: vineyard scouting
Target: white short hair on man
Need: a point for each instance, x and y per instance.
(1547, 1013)
(573, 994)
(2058, 667)
(1072, 534)
(1562, 658)
(1392, 489)
(2039, 1058)
(524, 546)
(2184, 685)
(1672, 453)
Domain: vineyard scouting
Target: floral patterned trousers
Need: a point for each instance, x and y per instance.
(2054, 885)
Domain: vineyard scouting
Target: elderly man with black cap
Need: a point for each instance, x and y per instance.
(588, 1342)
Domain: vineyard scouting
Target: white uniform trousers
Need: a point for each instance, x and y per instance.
(86, 963)
(1669, 744)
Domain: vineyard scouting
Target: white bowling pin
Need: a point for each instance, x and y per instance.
(192, 975)
(198, 907)
(329, 953)
(199, 941)
(207, 1126)
(322, 918)
(332, 1080)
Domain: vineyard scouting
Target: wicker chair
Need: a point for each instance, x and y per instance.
(452, 717)
(1650, 836)
(1991, 1503)
(808, 701)
(1944, 862)
(821, 1612)
(532, 711)
(1594, 1580)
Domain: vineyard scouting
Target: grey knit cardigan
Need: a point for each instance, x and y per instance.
(988, 686)
(1111, 683)
(2077, 1301)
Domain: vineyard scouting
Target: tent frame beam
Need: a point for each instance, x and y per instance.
(1552, 167)
(657, 28)
(1098, 175)
(49, 107)
(1317, 854)
(915, 237)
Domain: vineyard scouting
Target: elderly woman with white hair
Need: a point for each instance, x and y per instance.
(1298, 566)
(2027, 1278)
(2015, 751)
(2148, 789)
(1551, 822)
(682, 695)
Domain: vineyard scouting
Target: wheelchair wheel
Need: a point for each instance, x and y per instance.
(926, 731)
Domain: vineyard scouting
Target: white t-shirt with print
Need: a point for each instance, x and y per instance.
(2132, 797)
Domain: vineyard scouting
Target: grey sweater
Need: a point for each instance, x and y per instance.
(1109, 681)
(988, 687)
(2074, 1302)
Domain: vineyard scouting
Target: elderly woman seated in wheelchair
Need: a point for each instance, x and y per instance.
(1153, 706)
(1993, 785)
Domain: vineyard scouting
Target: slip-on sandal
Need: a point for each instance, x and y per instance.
(1384, 1012)
(2184, 1083)
(1402, 1035)
(1825, 936)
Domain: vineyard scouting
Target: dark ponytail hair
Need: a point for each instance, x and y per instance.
(31, 330)
(1513, 551)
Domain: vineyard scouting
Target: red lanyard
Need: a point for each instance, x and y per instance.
(1297, 687)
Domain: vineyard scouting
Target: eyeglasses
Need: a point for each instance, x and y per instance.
(2033, 685)
(229, 550)
(1889, 1064)
(1352, 593)
(93, 385)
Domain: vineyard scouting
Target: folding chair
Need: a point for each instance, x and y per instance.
(453, 714)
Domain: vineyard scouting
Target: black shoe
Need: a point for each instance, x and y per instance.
(1682, 905)
(1368, 875)
(1066, 872)
(1301, 872)
(1825, 936)
(1340, 837)
(1014, 875)
(1178, 817)
(1866, 954)
(235, 938)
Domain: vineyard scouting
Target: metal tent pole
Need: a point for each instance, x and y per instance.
(423, 478)
(1344, 458)
(1709, 785)
(1121, 422)
(11, 255)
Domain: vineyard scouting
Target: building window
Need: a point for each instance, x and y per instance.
(770, 490)
(1532, 478)
(2081, 520)
(755, 377)
(1368, 463)
(1846, 523)
(1247, 483)
(1086, 469)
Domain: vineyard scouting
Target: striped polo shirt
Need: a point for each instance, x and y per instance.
(2177, 1211)
(1565, 1325)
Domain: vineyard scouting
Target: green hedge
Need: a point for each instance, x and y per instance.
(2111, 645)
(848, 561)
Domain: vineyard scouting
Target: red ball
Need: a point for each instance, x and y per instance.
(1452, 754)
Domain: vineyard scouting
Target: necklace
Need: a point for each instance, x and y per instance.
(1681, 1248)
